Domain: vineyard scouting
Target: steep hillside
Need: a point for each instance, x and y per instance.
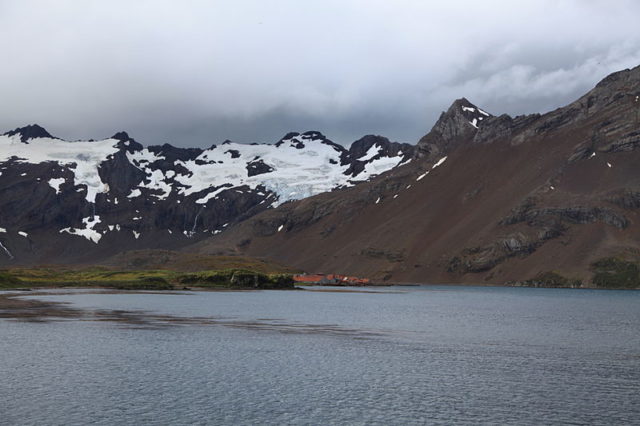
(487, 199)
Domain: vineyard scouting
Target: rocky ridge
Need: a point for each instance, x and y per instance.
(71, 201)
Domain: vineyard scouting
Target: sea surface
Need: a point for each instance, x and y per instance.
(402, 355)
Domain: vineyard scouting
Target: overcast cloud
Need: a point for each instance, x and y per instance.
(195, 73)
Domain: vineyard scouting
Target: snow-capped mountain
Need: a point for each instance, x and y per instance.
(115, 189)
(542, 199)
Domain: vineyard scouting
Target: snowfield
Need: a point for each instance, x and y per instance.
(298, 167)
(82, 157)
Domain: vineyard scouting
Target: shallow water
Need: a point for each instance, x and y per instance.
(406, 355)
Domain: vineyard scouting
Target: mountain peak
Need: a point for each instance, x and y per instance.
(122, 136)
(462, 102)
(627, 75)
(313, 134)
(126, 142)
(298, 140)
(461, 113)
(31, 131)
(458, 123)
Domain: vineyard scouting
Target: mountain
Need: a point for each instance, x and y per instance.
(545, 198)
(64, 201)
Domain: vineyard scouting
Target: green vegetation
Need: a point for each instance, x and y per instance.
(612, 272)
(237, 278)
(140, 280)
(552, 279)
(146, 283)
(7, 280)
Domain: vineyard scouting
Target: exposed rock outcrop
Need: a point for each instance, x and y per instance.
(29, 132)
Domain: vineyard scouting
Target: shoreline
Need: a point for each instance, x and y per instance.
(131, 287)
(15, 306)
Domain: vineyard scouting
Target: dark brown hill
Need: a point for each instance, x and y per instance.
(515, 197)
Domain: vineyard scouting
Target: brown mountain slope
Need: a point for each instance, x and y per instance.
(515, 197)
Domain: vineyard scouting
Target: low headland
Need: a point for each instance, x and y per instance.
(102, 277)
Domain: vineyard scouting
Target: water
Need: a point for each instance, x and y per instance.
(410, 355)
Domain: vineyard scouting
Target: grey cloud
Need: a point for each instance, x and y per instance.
(198, 72)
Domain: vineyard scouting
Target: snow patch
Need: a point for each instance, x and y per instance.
(422, 175)
(440, 161)
(6, 250)
(372, 152)
(157, 183)
(136, 235)
(134, 193)
(23, 234)
(280, 228)
(377, 167)
(87, 232)
(83, 158)
(55, 183)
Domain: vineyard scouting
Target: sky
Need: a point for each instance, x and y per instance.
(194, 73)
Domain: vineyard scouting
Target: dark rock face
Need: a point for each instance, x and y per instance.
(120, 174)
(481, 259)
(457, 125)
(29, 132)
(559, 119)
(627, 142)
(121, 136)
(386, 148)
(504, 127)
(578, 215)
(258, 167)
(628, 199)
(173, 154)
(300, 140)
(544, 224)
